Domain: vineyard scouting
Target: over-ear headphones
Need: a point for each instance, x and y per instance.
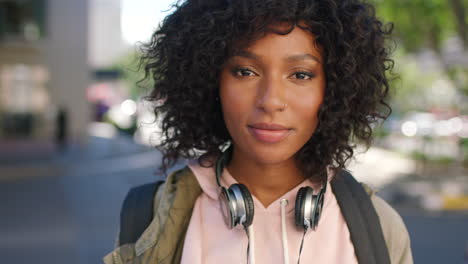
(238, 208)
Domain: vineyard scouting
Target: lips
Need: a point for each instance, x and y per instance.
(268, 132)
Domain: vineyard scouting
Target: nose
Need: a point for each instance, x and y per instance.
(271, 94)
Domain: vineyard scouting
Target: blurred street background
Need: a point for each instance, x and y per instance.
(75, 134)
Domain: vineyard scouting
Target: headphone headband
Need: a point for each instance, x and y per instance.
(221, 163)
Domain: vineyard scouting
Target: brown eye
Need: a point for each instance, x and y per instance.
(242, 72)
(303, 75)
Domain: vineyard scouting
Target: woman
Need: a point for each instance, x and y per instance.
(266, 98)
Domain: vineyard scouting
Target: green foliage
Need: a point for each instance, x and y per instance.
(438, 160)
(464, 147)
(421, 25)
(418, 23)
(414, 89)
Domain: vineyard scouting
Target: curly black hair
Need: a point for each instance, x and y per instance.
(186, 54)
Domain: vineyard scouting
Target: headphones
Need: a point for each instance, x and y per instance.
(238, 208)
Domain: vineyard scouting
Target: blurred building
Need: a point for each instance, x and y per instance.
(43, 68)
(49, 51)
(105, 33)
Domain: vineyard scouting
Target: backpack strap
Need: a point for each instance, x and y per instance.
(137, 212)
(362, 220)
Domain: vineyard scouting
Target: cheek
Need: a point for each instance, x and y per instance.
(307, 108)
(230, 111)
(237, 98)
(310, 98)
(233, 104)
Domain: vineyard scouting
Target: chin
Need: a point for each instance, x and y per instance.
(270, 155)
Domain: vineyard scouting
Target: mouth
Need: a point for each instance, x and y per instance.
(269, 133)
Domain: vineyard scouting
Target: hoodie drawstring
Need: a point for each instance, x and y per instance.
(284, 235)
(284, 203)
(251, 245)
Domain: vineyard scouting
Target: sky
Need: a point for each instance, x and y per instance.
(141, 17)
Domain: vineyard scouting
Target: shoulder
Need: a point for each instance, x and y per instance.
(394, 230)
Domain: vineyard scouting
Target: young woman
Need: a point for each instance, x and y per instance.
(267, 99)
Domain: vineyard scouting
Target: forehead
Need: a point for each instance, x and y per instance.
(281, 40)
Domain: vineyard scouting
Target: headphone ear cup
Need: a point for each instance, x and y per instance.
(299, 207)
(318, 206)
(249, 205)
(227, 205)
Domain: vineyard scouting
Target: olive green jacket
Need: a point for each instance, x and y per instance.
(162, 242)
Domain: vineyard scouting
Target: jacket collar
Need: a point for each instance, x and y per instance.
(175, 201)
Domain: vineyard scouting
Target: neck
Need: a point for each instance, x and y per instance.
(267, 182)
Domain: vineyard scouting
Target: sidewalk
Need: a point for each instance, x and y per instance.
(42, 159)
(407, 184)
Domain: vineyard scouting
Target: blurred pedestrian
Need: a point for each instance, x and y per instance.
(264, 98)
(61, 136)
(100, 110)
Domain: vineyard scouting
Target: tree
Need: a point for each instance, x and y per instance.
(422, 24)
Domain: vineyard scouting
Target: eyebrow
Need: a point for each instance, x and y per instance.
(246, 54)
(292, 58)
(302, 57)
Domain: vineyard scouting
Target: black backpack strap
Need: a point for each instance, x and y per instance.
(362, 220)
(137, 212)
(371, 219)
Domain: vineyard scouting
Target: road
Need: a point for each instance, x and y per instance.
(437, 238)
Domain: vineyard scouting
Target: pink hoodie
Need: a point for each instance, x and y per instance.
(273, 239)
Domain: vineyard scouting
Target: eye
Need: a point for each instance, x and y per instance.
(242, 72)
(303, 75)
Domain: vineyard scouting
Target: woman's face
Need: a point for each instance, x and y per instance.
(271, 93)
